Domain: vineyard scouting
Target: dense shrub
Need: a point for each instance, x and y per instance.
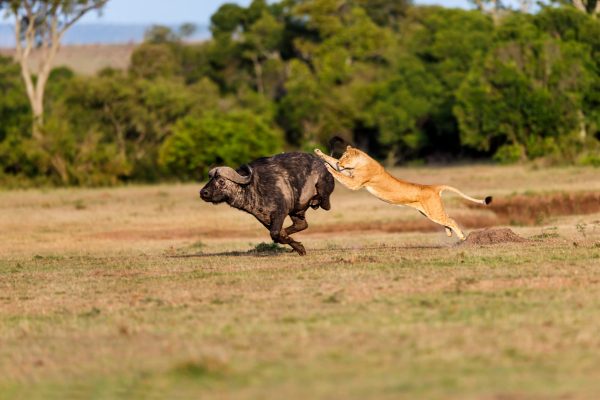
(199, 143)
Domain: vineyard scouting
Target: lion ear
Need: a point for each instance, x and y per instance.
(348, 147)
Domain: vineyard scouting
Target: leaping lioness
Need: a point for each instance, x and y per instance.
(355, 170)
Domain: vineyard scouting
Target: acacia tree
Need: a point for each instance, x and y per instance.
(42, 24)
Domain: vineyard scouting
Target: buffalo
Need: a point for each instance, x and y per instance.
(272, 188)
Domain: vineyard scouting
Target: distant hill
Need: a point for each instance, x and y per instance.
(86, 34)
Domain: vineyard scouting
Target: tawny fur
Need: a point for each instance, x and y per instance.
(356, 170)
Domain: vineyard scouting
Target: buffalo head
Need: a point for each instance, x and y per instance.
(223, 184)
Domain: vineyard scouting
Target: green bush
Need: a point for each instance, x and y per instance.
(199, 143)
(509, 153)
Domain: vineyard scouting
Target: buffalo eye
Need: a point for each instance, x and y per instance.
(220, 182)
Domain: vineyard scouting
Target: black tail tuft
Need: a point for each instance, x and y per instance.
(337, 146)
(336, 140)
(488, 200)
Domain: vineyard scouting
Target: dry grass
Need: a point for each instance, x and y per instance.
(146, 292)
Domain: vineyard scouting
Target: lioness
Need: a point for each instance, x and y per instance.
(355, 170)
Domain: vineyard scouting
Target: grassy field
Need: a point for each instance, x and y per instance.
(147, 292)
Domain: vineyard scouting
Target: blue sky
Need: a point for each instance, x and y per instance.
(174, 12)
(169, 12)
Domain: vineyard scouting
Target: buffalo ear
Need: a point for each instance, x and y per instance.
(249, 171)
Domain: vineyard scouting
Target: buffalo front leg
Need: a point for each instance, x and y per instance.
(279, 235)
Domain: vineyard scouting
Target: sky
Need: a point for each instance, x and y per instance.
(174, 12)
(171, 12)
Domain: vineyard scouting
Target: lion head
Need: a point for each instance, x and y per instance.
(351, 159)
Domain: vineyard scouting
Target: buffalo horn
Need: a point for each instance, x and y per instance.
(232, 175)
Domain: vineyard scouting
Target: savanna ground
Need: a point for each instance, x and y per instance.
(147, 292)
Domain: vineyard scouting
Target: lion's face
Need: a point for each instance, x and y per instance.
(351, 159)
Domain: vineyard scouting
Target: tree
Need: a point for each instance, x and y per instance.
(135, 115)
(151, 61)
(262, 42)
(527, 98)
(386, 12)
(493, 7)
(42, 24)
(14, 116)
(226, 20)
(13, 101)
(591, 7)
(400, 106)
(343, 53)
(448, 42)
(159, 34)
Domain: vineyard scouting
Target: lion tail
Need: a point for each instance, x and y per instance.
(485, 201)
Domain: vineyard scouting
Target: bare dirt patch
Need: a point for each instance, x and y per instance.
(493, 236)
(390, 226)
(534, 209)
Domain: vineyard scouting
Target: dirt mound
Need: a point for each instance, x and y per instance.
(493, 236)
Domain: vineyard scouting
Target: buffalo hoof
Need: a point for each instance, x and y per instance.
(298, 248)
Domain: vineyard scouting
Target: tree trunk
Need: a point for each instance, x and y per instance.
(582, 127)
(22, 56)
(60, 166)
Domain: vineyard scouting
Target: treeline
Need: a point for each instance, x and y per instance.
(406, 83)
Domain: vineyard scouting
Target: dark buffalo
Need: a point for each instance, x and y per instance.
(272, 188)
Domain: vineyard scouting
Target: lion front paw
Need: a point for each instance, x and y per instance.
(318, 152)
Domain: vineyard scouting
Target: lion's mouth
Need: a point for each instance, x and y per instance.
(342, 169)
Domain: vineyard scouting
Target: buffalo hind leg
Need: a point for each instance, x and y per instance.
(279, 235)
(298, 224)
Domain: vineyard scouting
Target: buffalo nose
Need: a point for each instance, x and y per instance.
(204, 193)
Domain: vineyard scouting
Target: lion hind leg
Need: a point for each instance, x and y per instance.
(450, 225)
(434, 210)
(422, 211)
